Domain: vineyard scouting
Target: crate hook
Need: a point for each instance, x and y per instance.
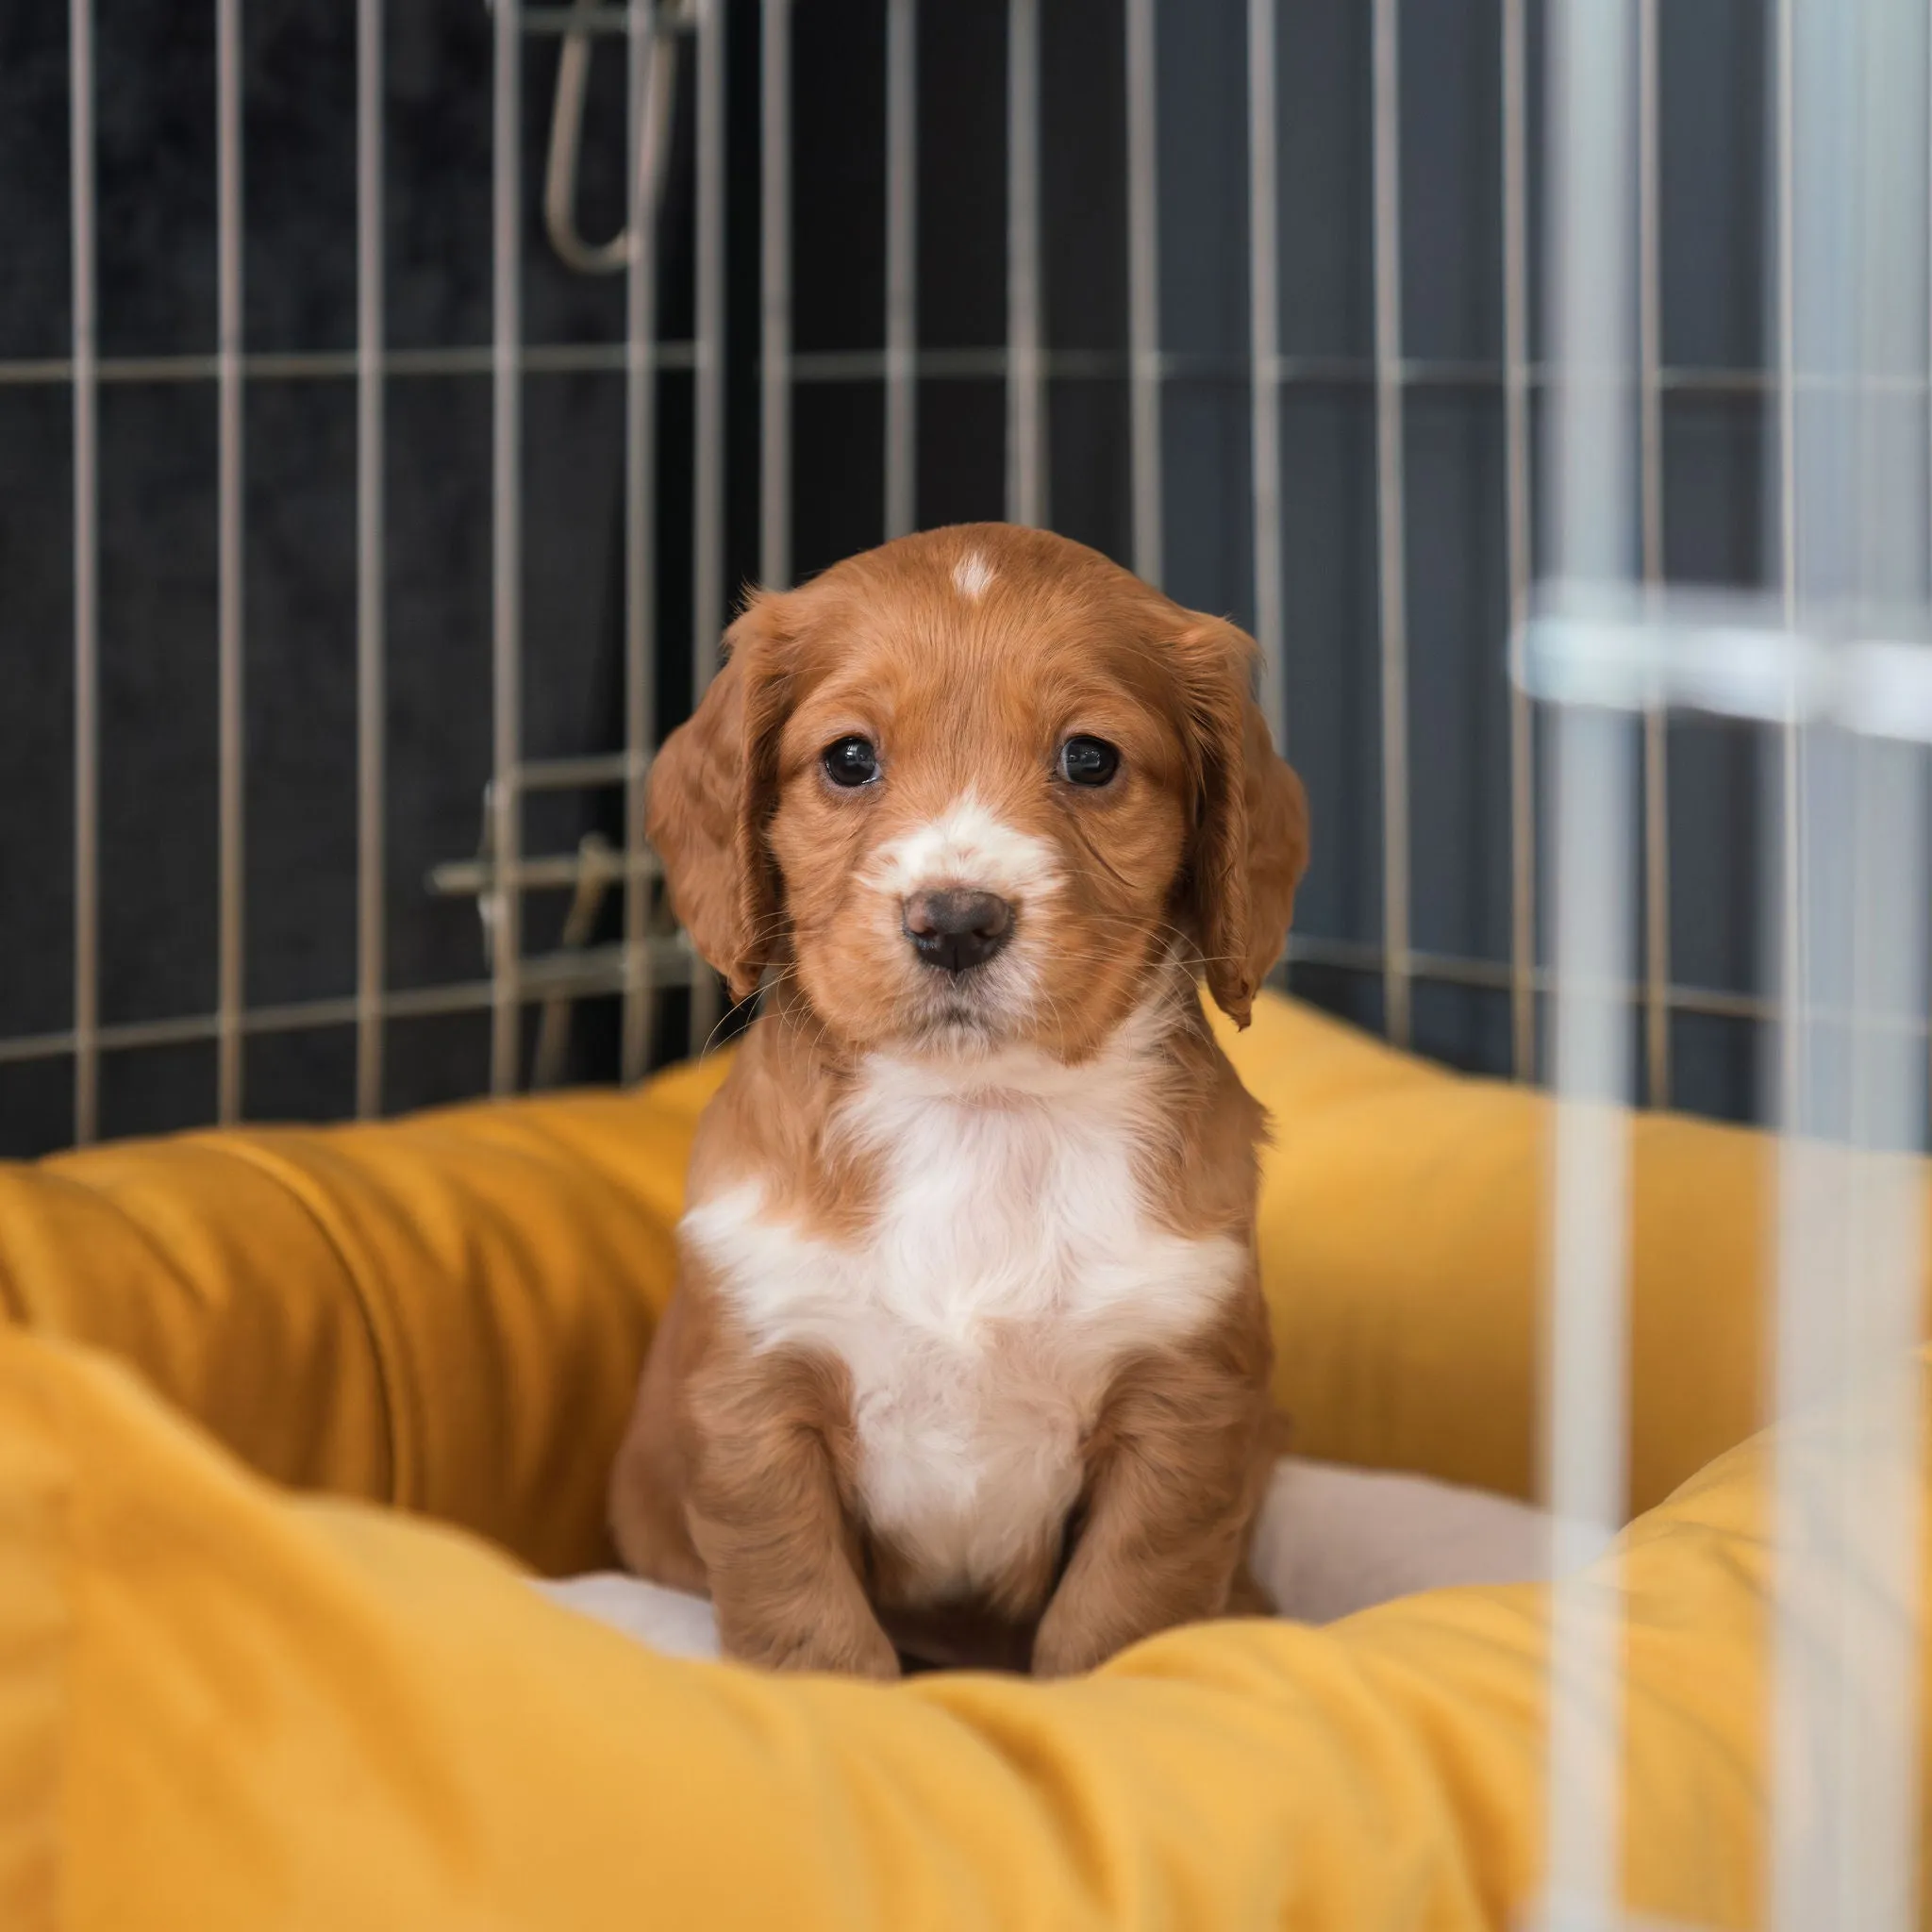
(567, 138)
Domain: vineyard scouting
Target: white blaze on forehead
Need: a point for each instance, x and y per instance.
(970, 576)
(969, 848)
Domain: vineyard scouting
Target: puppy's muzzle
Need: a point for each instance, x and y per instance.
(956, 931)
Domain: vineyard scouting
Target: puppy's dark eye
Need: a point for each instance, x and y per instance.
(1088, 761)
(851, 761)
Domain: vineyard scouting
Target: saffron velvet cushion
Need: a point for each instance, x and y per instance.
(222, 1705)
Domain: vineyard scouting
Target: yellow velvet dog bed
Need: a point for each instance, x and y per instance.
(224, 1706)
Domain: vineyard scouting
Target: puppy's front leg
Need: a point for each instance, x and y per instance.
(766, 1518)
(1176, 1477)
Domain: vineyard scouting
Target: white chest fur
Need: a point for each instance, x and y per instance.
(1010, 1266)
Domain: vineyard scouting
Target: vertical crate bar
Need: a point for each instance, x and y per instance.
(1518, 544)
(506, 545)
(1144, 282)
(1844, 1840)
(1785, 214)
(707, 480)
(1390, 544)
(1657, 829)
(370, 637)
(1845, 1834)
(1592, 885)
(774, 274)
(1264, 360)
(902, 266)
(1790, 869)
(87, 801)
(1592, 877)
(229, 583)
(649, 113)
(1026, 335)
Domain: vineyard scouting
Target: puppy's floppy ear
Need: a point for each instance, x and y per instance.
(712, 787)
(1251, 830)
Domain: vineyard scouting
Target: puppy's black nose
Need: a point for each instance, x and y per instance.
(958, 930)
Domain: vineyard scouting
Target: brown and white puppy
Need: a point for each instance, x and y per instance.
(968, 1359)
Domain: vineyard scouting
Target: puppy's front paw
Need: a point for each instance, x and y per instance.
(846, 1646)
(1069, 1644)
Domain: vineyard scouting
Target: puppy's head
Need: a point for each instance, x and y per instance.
(974, 789)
